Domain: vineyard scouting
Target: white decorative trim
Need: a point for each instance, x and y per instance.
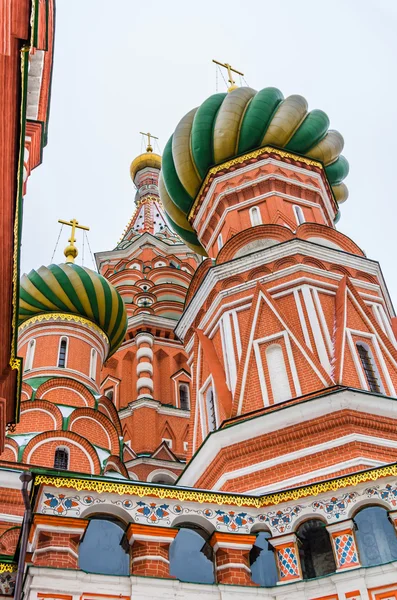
(304, 477)
(144, 367)
(307, 451)
(232, 565)
(150, 557)
(65, 441)
(144, 353)
(268, 255)
(142, 338)
(144, 382)
(54, 549)
(276, 420)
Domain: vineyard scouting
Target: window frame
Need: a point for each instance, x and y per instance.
(65, 339)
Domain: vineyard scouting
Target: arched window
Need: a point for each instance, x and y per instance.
(210, 404)
(63, 347)
(220, 242)
(183, 396)
(61, 459)
(263, 564)
(255, 215)
(165, 478)
(103, 550)
(93, 362)
(278, 373)
(369, 367)
(191, 556)
(299, 215)
(30, 355)
(315, 551)
(375, 536)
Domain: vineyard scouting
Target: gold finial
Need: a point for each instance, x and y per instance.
(149, 147)
(230, 69)
(71, 251)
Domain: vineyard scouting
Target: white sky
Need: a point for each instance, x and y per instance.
(125, 66)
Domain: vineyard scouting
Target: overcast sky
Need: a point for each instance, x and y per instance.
(125, 66)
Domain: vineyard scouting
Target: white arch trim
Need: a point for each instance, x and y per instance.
(97, 422)
(64, 441)
(157, 472)
(60, 387)
(41, 410)
(13, 450)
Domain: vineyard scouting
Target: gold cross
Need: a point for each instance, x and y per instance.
(149, 136)
(71, 251)
(230, 69)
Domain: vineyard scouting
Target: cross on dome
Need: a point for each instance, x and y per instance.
(230, 70)
(71, 251)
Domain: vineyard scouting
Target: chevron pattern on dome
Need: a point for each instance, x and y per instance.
(69, 288)
(227, 125)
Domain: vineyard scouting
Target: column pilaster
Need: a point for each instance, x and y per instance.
(287, 558)
(54, 541)
(144, 367)
(344, 545)
(150, 549)
(232, 557)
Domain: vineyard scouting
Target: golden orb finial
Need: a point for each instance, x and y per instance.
(149, 147)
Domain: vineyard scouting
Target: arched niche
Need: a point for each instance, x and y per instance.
(375, 536)
(315, 549)
(262, 561)
(191, 555)
(104, 548)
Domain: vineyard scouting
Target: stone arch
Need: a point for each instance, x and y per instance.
(74, 393)
(106, 406)
(157, 473)
(202, 522)
(9, 541)
(283, 263)
(11, 450)
(83, 457)
(258, 235)
(107, 509)
(96, 427)
(308, 230)
(231, 282)
(365, 276)
(340, 269)
(314, 262)
(27, 390)
(39, 415)
(258, 272)
(114, 463)
(367, 503)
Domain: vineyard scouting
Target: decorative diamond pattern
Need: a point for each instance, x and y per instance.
(287, 562)
(346, 552)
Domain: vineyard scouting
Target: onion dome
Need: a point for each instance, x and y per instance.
(148, 159)
(71, 289)
(231, 124)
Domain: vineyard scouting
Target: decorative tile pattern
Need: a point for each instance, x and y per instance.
(224, 518)
(234, 521)
(334, 507)
(7, 583)
(387, 493)
(287, 562)
(346, 552)
(281, 520)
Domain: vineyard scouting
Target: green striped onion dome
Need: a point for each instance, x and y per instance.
(69, 288)
(231, 124)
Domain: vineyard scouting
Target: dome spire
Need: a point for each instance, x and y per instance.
(230, 70)
(71, 251)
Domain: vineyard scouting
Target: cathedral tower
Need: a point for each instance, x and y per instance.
(148, 379)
